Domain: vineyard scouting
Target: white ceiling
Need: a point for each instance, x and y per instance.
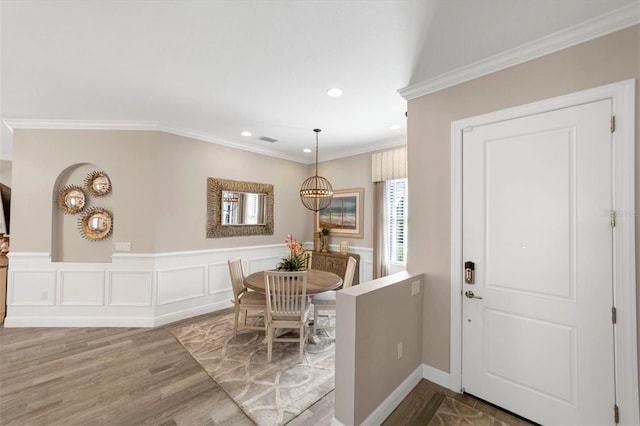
(212, 69)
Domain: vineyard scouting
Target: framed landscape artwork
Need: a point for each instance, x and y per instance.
(344, 214)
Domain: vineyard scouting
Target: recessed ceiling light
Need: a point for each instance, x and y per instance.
(306, 150)
(245, 133)
(334, 92)
(394, 127)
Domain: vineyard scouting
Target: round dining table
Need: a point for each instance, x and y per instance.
(317, 281)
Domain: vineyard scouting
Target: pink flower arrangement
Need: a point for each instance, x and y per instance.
(295, 260)
(294, 246)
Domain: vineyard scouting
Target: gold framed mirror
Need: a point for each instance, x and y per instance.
(98, 183)
(225, 195)
(96, 224)
(71, 199)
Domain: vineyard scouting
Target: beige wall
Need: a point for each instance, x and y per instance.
(41, 156)
(5, 172)
(182, 168)
(159, 188)
(377, 316)
(608, 59)
(348, 173)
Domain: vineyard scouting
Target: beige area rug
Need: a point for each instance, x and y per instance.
(455, 413)
(270, 394)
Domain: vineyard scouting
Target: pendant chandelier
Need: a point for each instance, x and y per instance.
(316, 192)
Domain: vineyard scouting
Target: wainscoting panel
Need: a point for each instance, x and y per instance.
(263, 263)
(81, 288)
(135, 289)
(180, 284)
(31, 288)
(219, 280)
(129, 288)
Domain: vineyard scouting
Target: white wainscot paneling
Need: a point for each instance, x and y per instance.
(180, 284)
(130, 288)
(219, 279)
(262, 263)
(82, 288)
(30, 288)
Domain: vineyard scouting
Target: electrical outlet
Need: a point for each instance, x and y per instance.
(415, 288)
(399, 350)
(123, 246)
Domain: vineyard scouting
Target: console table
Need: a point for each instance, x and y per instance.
(335, 262)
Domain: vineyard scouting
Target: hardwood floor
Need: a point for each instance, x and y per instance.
(422, 402)
(119, 376)
(134, 376)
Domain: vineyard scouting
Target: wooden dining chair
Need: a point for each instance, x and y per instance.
(287, 307)
(326, 301)
(308, 257)
(245, 300)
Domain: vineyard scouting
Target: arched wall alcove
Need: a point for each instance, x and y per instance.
(68, 243)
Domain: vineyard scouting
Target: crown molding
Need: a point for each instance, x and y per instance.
(53, 124)
(599, 26)
(379, 146)
(30, 123)
(225, 142)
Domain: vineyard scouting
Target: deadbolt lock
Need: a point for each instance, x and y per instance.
(469, 272)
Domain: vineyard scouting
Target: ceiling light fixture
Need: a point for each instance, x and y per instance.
(394, 127)
(245, 133)
(307, 150)
(334, 92)
(316, 192)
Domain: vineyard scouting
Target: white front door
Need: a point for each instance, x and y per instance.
(537, 338)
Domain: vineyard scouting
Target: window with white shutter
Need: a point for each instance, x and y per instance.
(396, 193)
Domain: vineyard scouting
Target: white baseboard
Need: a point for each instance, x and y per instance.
(383, 411)
(192, 312)
(436, 376)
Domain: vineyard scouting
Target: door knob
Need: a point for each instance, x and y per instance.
(470, 295)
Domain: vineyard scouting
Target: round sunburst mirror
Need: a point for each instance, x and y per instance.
(71, 199)
(98, 183)
(96, 224)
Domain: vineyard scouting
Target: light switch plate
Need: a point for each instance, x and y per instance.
(120, 246)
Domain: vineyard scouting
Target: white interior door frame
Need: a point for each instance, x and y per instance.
(623, 96)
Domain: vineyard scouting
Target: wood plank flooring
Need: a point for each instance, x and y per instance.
(423, 401)
(115, 376)
(135, 376)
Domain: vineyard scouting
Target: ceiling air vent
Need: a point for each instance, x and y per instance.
(268, 139)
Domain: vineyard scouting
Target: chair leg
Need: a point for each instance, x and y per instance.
(235, 320)
(303, 339)
(269, 342)
(315, 319)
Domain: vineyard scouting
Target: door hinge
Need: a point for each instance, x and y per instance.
(614, 315)
(613, 123)
(616, 414)
(613, 218)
